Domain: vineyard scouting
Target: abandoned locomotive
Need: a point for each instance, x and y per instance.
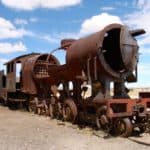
(92, 64)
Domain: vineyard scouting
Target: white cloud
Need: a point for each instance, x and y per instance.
(16, 33)
(6, 24)
(21, 21)
(50, 39)
(8, 30)
(68, 35)
(57, 37)
(33, 20)
(98, 22)
(2, 61)
(7, 48)
(108, 8)
(140, 19)
(88, 26)
(33, 4)
(143, 4)
(124, 3)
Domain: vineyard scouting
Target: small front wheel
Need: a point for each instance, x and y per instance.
(123, 127)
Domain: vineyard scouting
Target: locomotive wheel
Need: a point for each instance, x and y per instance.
(51, 111)
(46, 112)
(31, 107)
(101, 118)
(142, 129)
(59, 109)
(55, 110)
(52, 107)
(45, 109)
(4, 102)
(39, 111)
(123, 127)
(69, 110)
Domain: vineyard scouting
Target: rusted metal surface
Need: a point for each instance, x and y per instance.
(3, 95)
(69, 110)
(123, 127)
(92, 63)
(128, 107)
(35, 73)
(11, 70)
(28, 85)
(65, 43)
(144, 94)
(113, 45)
(1, 79)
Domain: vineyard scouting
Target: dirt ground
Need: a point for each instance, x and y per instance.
(25, 131)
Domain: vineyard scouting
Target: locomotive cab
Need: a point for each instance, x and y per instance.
(14, 72)
(13, 76)
(11, 88)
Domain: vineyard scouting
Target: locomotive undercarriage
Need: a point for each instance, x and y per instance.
(112, 114)
(117, 113)
(119, 116)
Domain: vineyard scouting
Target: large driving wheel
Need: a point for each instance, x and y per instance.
(69, 110)
(123, 127)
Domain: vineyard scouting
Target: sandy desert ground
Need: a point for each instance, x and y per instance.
(21, 130)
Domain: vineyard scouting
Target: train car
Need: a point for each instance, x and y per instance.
(11, 83)
(17, 87)
(93, 63)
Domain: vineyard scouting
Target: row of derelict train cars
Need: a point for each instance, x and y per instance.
(79, 91)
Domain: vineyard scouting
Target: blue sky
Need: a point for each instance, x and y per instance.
(39, 25)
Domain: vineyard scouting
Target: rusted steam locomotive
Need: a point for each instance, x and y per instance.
(92, 64)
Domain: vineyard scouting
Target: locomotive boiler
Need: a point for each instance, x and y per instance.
(80, 90)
